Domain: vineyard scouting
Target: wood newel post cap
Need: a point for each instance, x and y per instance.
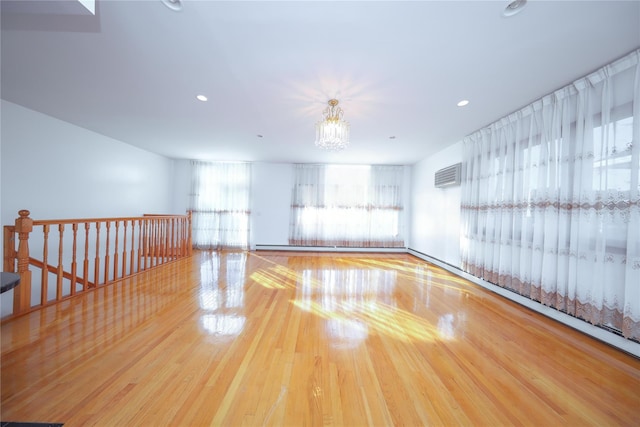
(24, 224)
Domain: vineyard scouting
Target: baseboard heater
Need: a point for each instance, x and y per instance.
(597, 332)
(263, 247)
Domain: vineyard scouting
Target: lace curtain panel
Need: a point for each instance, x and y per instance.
(353, 206)
(219, 202)
(551, 199)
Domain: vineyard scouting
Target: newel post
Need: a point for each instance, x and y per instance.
(22, 293)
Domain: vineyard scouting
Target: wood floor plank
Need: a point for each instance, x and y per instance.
(279, 338)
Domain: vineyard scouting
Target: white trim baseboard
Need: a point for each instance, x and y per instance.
(601, 334)
(325, 249)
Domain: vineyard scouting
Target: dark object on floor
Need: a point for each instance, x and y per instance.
(18, 424)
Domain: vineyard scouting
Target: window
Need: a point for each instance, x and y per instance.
(339, 205)
(220, 199)
(550, 201)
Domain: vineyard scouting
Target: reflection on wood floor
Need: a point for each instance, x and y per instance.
(276, 338)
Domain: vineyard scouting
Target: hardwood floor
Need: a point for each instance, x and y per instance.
(274, 338)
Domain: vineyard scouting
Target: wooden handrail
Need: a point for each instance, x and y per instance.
(85, 253)
(92, 220)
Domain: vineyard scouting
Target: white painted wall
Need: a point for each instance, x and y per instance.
(58, 170)
(435, 216)
(271, 203)
(181, 186)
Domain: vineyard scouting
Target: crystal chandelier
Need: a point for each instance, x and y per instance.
(332, 133)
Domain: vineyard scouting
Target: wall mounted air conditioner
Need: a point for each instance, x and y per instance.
(448, 176)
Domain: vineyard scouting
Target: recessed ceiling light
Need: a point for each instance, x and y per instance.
(202, 98)
(463, 103)
(514, 7)
(173, 4)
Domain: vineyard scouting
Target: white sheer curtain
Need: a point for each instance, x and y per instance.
(341, 205)
(551, 199)
(220, 205)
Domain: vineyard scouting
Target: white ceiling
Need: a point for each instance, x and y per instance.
(132, 71)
